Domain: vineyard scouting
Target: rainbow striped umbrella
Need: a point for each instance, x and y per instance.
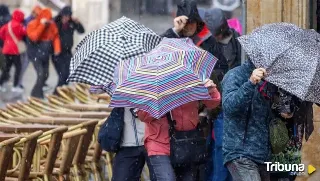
(169, 76)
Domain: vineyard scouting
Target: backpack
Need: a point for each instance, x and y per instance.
(110, 133)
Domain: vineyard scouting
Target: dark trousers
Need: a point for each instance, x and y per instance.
(128, 164)
(220, 173)
(41, 67)
(163, 170)
(243, 169)
(9, 61)
(62, 65)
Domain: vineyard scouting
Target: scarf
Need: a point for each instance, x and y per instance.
(202, 36)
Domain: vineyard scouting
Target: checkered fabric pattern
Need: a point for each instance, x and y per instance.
(99, 52)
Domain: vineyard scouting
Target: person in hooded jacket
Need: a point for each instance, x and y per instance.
(188, 23)
(228, 44)
(246, 145)
(24, 56)
(11, 34)
(67, 25)
(44, 37)
(5, 17)
(34, 13)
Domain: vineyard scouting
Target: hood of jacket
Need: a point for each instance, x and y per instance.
(189, 8)
(216, 21)
(45, 13)
(18, 16)
(4, 15)
(66, 11)
(4, 10)
(37, 10)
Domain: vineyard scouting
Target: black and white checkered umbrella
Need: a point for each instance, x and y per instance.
(99, 52)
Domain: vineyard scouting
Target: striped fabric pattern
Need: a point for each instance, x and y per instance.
(169, 76)
(100, 51)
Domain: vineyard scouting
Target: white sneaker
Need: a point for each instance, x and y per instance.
(46, 88)
(17, 89)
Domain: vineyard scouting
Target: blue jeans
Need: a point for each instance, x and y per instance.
(162, 169)
(221, 173)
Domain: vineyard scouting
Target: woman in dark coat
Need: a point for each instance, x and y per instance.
(66, 26)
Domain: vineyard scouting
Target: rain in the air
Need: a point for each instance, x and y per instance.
(159, 90)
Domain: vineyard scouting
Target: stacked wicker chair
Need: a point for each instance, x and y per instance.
(56, 138)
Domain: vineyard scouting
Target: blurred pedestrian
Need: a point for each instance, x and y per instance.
(35, 12)
(66, 25)
(228, 44)
(24, 56)
(4, 19)
(44, 37)
(12, 34)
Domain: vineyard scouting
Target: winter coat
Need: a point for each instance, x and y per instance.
(5, 17)
(38, 32)
(231, 50)
(10, 47)
(66, 31)
(246, 117)
(186, 117)
(133, 131)
(36, 10)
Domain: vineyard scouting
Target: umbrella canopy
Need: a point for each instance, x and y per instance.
(290, 55)
(169, 76)
(99, 52)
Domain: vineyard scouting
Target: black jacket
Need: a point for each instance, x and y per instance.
(66, 33)
(5, 17)
(224, 65)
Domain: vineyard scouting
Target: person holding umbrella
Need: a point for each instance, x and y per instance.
(277, 55)
(188, 23)
(157, 137)
(228, 44)
(167, 92)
